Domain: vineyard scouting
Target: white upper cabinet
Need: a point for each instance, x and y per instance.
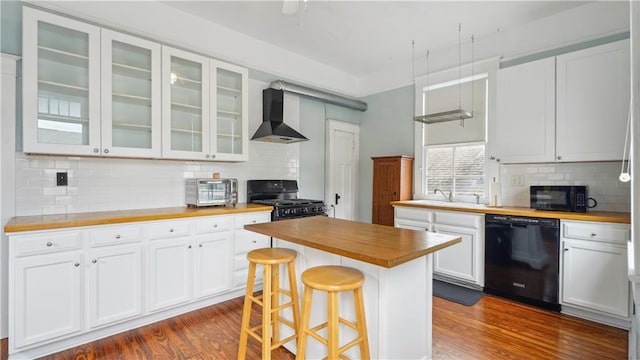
(185, 105)
(96, 92)
(593, 103)
(229, 112)
(61, 85)
(525, 114)
(131, 112)
(572, 107)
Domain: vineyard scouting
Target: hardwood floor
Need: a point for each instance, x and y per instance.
(493, 328)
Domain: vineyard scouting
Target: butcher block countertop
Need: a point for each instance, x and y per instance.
(380, 245)
(601, 216)
(57, 221)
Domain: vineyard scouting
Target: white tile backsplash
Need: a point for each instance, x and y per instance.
(104, 184)
(600, 177)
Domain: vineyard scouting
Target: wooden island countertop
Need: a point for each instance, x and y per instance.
(380, 245)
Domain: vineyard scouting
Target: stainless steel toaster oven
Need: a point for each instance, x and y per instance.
(211, 192)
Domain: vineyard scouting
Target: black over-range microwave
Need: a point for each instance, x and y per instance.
(559, 198)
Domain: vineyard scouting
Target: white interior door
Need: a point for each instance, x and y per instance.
(342, 152)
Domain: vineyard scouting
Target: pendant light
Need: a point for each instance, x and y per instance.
(459, 113)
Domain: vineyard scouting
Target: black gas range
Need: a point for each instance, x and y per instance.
(283, 196)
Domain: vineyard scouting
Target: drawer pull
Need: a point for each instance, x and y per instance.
(200, 245)
(254, 221)
(94, 261)
(49, 244)
(118, 236)
(254, 241)
(76, 264)
(189, 246)
(215, 225)
(170, 230)
(594, 234)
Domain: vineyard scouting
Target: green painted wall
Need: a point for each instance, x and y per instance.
(386, 128)
(10, 27)
(313, 116)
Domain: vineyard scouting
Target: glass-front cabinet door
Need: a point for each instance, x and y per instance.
(185, 105)
(61, 85)
(229, 112)
(131, 111)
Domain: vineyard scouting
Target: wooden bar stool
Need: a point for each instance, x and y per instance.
(271, 259)
(333, 279)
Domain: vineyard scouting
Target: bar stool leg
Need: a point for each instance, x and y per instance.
(362, 324)
(275, 302)
(332, 329)
(246, 313)
(266, 313)
(306, 313)
(293, 288)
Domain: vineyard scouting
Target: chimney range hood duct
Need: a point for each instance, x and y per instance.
(273, 129)
(319, 95)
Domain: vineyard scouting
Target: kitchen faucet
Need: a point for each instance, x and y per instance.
(448, 197)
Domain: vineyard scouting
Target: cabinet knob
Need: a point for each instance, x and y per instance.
(76, 264)
(559, 157)
(213, 156)
(206, 156)
(492, 157)
(171, 230)
(565, 249)
(200, 245)
(118, 236)
(94, 261)
(254, 221)
(96, 150)
(106, 151)
(594, 234)
(49, 244)
(254, 241)
(189, 246)
(215, 225)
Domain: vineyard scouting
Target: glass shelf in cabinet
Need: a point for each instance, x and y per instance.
(62, 118)
(131, 126)
(223, 90)
(228, 115)
(62, 38)
(56, 87)
(64, 57)
(131, 71)
(187, 107)
(132, 99)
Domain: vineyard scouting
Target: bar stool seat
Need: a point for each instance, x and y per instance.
(270, 259)
(333, 279)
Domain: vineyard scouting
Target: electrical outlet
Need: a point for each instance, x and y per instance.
(61, 179)
(517, 180)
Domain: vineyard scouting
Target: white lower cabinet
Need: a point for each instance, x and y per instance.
(462, 263)
(114, 284)
(67, 287)
(594, 271)
(246, 241)
(169, 272)
(46, 297)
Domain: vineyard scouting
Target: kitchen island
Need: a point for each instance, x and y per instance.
(397, 264)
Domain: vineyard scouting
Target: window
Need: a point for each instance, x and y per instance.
(459, 168)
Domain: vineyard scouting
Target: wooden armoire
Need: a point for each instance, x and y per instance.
(392, 181)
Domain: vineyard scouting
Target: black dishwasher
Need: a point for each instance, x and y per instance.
(521, 259)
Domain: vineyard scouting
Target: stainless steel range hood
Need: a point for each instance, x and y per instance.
(273, 129)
